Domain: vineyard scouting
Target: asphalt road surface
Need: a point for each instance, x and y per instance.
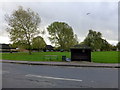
(37, 76)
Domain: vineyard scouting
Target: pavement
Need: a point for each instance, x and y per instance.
(72, 64)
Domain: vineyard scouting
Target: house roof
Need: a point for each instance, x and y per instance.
(4, 46)
(49, 47)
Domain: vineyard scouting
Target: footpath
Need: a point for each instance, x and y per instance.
(71, 64)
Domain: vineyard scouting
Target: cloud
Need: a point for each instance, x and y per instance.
(4, 40)
(103, 16)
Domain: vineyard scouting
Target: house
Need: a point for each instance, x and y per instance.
(7, 48)
(48, 48)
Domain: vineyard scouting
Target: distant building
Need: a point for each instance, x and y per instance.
(7, 48)
(48, 48)
(4, 48)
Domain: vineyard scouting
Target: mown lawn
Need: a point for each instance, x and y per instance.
(99, 57)
(106, 57)
(36, 56)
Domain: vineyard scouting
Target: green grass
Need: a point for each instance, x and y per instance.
(99, 57)
(106, 57)
(36, 56)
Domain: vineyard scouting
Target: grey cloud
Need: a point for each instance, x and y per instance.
(103, 15)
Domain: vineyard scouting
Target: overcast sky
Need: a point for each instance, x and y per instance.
(103, 17)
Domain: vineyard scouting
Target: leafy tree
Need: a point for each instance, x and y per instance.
(105, 46)
(118, 46)
(95, 41)
(23, 26)
(62, 35)
(18, 44)
(38, 43)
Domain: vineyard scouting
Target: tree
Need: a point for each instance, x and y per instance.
(18, 44)
(38, 43)
(95, 41)
(118, 46)
(61, 34)
(23, 26)
(105, 46)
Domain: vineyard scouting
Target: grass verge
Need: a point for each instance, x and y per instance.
(98, 57)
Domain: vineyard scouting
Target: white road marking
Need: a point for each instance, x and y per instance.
(30, 75)
(4, 72)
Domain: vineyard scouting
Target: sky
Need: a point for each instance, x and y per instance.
(102, 17)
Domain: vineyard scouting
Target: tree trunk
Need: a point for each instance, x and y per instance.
(30, 52)
(38, 50)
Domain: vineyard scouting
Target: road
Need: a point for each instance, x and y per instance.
(38, 76)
